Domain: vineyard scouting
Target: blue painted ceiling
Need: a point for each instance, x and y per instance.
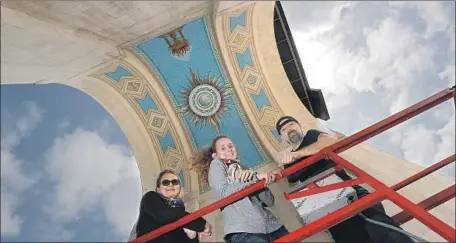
(187, 63)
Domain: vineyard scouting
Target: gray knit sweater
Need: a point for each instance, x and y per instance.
(247, 215)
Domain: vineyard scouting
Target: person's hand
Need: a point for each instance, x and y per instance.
(288, 157)
(190, 233)
(269, 178)
(247, 175)
(204, 238)
(207, 232)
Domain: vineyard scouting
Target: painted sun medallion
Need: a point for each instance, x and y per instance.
(205, 100)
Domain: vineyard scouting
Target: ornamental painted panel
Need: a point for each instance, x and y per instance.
(148, 105)
(187, 63)
(237, 29)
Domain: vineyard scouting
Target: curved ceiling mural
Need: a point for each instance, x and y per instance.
(187, 64)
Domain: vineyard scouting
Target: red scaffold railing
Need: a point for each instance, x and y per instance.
(382, 191)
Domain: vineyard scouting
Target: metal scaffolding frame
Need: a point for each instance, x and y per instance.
(382, 191)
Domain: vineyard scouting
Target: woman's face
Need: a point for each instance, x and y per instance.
(169, 186)
(225, 149)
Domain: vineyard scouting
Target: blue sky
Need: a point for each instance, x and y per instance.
(67, 171)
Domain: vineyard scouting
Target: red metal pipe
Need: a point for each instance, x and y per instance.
(312, 185)
(333, 218)
(302, 164)
(226, 201)
(201, 212)
(428, 204)
(313, 191)
(419, 213)
(392, 121)
(384, 125)
(435, 224)
(336, 168)
(424, 173)
(338, 147)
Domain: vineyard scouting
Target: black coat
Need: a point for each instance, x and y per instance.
(155, 212)
(354, 229)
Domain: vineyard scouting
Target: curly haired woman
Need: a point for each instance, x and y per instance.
(246, 220)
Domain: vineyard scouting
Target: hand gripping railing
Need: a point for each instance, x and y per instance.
(382, 191)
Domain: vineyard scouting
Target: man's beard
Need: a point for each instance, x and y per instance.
(295, 137)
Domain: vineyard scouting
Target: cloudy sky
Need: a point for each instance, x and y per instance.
(373, 59)
(67, 171)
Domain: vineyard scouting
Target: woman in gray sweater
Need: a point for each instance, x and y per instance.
(246, 220)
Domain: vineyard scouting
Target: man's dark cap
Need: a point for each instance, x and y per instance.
(284, 120)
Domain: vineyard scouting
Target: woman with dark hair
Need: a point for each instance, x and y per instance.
(164, 206)
(246, 220)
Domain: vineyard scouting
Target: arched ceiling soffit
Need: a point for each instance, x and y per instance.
(146, 103)
(188, 67)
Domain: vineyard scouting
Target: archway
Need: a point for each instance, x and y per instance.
(148, 90)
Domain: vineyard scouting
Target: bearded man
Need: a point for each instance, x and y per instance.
(307, 142)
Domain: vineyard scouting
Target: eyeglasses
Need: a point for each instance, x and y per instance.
(175, 182)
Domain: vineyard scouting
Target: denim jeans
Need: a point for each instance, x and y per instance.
(250, 237)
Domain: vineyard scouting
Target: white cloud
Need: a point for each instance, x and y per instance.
(434, 14)
(451, 34)
(388, 67)
(11, 222)
(427, 146)
(418, 144)
(14, 181)
(51, 231)
(12, 173)
(391, 59)
(446, 142)
(91, 174)
(23, 126)
(436, 17)
(319, 16)
(396, 60)
(63, 124)
(449, 74)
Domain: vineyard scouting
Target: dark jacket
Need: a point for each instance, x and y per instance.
(314, 169)
(156, 212)
(354, 229)
(318, 167)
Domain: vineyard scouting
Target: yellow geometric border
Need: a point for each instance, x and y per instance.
(136, 86)
(251, 77)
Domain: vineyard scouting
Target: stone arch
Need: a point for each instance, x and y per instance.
(129, 94)
(244, 41)
(114, 104)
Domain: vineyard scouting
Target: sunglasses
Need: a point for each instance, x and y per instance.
(175, 182)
